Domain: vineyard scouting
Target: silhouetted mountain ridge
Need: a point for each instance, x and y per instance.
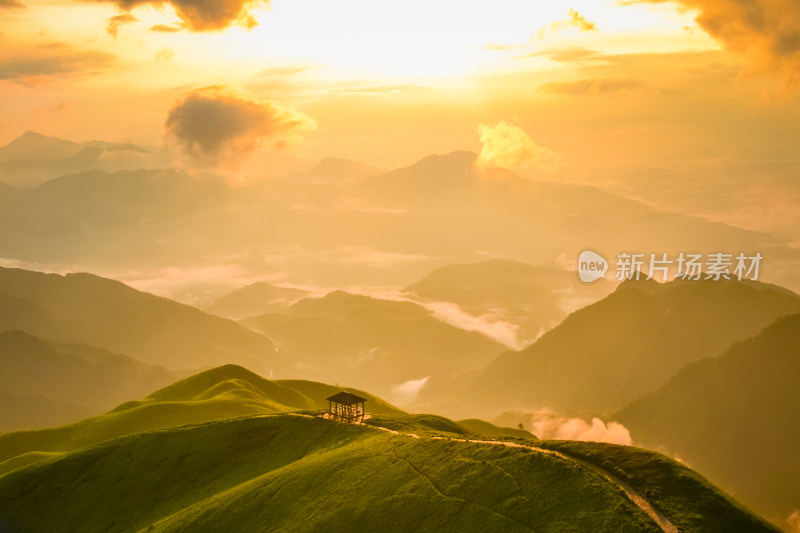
(88, 309)
(631, 342)
(733, 418)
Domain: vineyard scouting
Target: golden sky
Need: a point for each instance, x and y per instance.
(601, 83)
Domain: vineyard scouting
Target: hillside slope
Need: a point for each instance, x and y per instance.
(631, 342)
(224, 392)
(256, 299)
(291, 473)
(533, 298)
(69, 374)
(101, 312)
(734, 418)
(372, 342)
(23, 412)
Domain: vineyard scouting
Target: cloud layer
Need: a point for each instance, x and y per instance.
(202, 15)
(214, 122)
(118, 20)
(546, 424)
(51, 60)
(594, 86)
(767, 31)
(508, 146)
(573, 20)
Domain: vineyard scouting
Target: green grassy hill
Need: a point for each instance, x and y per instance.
(481, 427)
(734, 418)
(79, 375)
(372, 342)
(318, 392)
(228, 450)
(89, 309)
(224, 392)
(290, 473)
(630, 343)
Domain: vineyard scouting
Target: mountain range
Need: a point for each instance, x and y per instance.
(33, 158)
(343, 223)
(83, 308)
(534, 299)
(605, 355)
(46, 383)
(364, 340)
(733, 417)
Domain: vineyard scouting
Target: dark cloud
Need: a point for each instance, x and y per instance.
(594, 87)
(164, 28)
(214, 122)
(11, 4)
(202, 15)
(767, 31)
(116, 21)
(52, 60)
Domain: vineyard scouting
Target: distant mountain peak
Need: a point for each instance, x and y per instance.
(458, 157)
(337, 169)
(30, 134)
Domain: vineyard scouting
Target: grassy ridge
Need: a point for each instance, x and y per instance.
(224, 450)
(228, 391)
(297, 474)
(669, 486)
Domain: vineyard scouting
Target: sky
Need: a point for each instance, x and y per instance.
(690, 105)
(391, 83)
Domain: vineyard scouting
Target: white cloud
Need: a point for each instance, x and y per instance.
(546, 424)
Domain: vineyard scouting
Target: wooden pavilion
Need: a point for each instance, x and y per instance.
(346, 407)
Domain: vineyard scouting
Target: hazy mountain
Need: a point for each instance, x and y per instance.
(631, 342)
(132, 217)
(255, 472)
(88, 309)
(20, 412)
(334, 169)
(362, 340)
(385, 229)
(734, 417)
(452, 210)
(32, 158)
(422, 182)
(21, 314)
(87, 379)
(533, 298)
(256, 299)
(32, 145)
